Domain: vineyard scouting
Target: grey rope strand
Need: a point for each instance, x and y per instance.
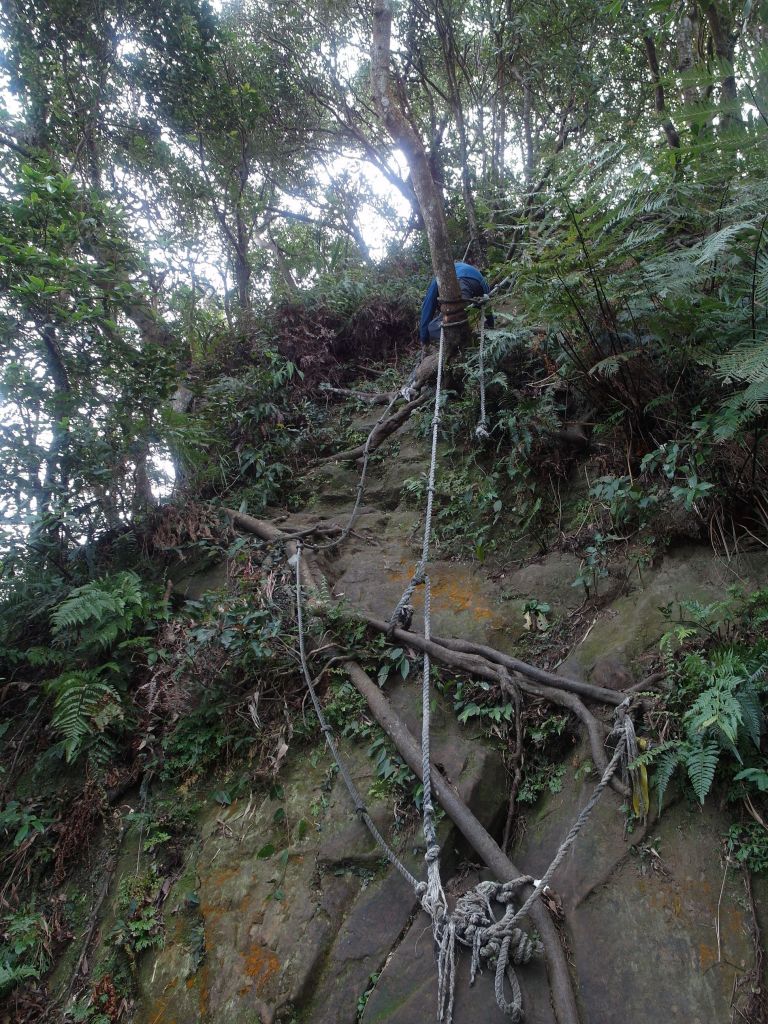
(574, 831)
(352, 789)
(481, 430)
(418, 575)
(361, 483)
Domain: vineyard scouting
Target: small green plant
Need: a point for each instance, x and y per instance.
(23, 954)
(594, 565)
(138, 926)
(18, 822)
(716, 659)
(535, 614)
(362, 1000)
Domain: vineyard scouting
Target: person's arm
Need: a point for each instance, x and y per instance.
(428, 307)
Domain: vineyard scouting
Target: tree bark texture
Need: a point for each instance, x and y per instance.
(390, 110)
(661, 108)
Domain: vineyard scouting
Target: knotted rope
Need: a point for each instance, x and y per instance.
(473, 922)
(491, 939)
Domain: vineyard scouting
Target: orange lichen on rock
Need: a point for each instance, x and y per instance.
(261, 965)
(455, 589)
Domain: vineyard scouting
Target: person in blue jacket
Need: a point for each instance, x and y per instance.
(472, 285)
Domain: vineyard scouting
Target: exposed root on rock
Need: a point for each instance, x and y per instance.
(484, 662)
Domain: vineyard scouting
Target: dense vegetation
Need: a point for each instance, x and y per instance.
(203, 222)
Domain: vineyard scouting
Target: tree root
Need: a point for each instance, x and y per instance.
(478, 659)
(381, 432)
(498, 672)
(563, 997)
(561, 986)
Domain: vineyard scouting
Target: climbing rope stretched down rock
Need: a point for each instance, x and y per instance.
(473, 923)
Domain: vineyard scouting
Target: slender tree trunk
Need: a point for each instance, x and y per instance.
(527, 135)
(724, 40)
(670, 131)
(405, 136)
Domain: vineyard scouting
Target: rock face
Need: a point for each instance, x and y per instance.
(296, 917)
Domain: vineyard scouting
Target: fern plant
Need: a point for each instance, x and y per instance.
(96, 621)
(95, 616)
(84, 706)
(717, 697)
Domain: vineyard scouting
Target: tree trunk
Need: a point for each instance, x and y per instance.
(670, 131)
(430, 200)
(725, 42)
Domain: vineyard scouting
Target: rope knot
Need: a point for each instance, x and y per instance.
(432, 854)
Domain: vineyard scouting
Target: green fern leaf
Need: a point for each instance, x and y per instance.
(665, 769)
(701, 765)
(751, 714)
(84, 704)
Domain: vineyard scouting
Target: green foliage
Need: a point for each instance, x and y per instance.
(138, 926)
(22, 947)
(254, 426)
(467, 507)
(18, 822)
(95, 616)
(717, 664)
(748, 844)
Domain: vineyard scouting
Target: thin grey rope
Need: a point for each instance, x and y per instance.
(327, 731)
(481, 430)
(472, 922)
(577, 826)
(366, 455)
(418, 575)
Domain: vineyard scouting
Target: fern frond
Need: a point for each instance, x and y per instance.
(751, 714)
(99, 612)
(716, 243)
(701, 765)
(84, 704)
(665, 769)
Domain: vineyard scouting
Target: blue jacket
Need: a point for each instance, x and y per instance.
(429, 306)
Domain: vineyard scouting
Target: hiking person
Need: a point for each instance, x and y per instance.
(472, 285)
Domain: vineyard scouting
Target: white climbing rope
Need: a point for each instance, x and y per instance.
(481, 430)
(473, 922)
(400, 615)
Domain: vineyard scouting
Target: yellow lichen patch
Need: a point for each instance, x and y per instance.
(707, 956)
(260, 965)
(455, 589)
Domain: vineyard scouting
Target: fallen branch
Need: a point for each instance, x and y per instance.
(475, 659)
(473, 831)
(367, 397)
(557, 965)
